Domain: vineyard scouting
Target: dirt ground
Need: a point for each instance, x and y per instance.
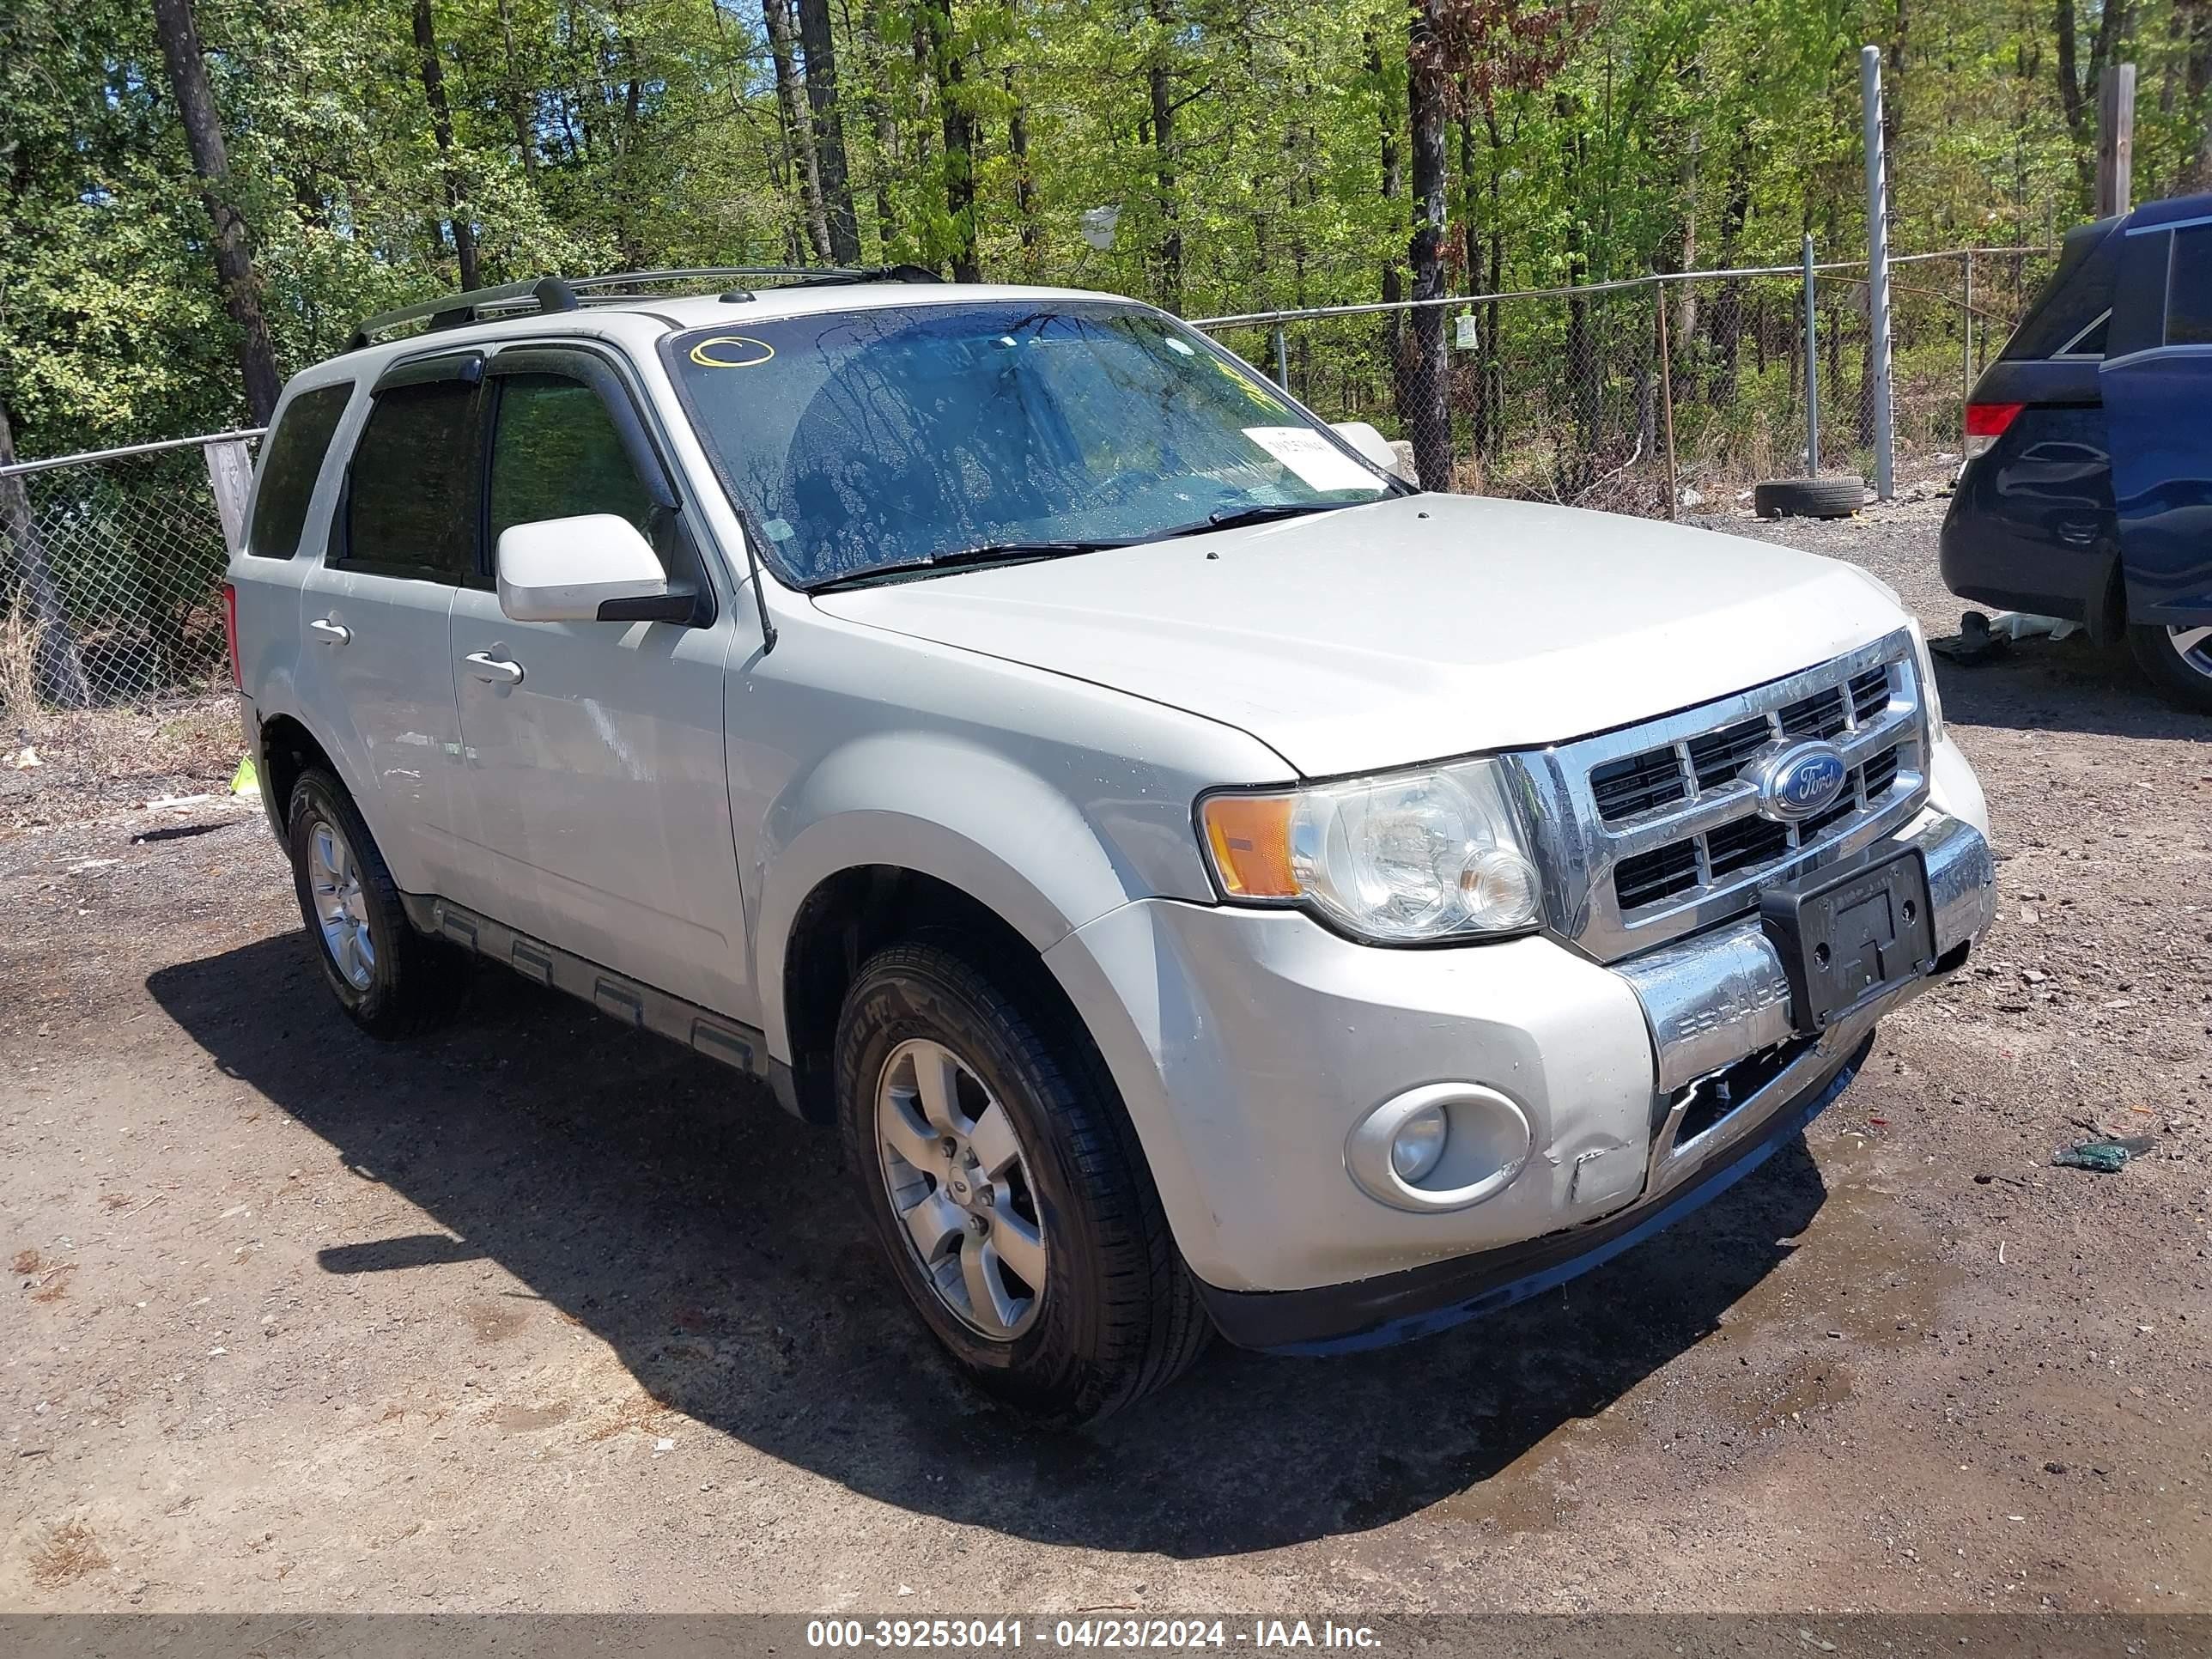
(545, 1313)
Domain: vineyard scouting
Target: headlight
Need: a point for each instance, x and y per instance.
(1926, 665)
(1404, 858)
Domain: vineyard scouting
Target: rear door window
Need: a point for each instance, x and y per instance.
(2189, 288)
(411, 498)
(290, 462)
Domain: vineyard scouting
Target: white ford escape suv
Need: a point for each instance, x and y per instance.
(1211, 884)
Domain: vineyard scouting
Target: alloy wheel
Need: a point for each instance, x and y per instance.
(340, 907)
(958, 1179)
(2194, 646)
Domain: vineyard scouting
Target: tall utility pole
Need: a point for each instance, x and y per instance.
(1885, 424)
(2116, 140)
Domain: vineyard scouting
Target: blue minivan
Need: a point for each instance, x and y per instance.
(2091, 495)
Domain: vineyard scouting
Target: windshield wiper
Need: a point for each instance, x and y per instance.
(983, 553)
(1229, 517)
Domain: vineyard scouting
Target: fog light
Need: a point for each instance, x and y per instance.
(1419, 1144)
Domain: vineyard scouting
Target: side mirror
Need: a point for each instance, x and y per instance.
(593, 567)
(1371, 445)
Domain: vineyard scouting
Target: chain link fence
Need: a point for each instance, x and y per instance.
(111, 574)
(111, 564)
(1599, 396)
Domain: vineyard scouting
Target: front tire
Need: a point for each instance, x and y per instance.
(1001, 1175)
(2177, 660)
(391, 981)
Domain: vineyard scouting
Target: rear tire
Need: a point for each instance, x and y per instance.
(2177, 660)
(1838, 496)
(974, 1120)
(391, 981)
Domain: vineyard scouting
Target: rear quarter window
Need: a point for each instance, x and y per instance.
(291, 461)
(2079, 292)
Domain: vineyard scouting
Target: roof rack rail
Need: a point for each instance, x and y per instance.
(558, 294)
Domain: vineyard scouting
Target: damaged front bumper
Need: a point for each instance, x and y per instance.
(1255, 1049)
(1735, 1081)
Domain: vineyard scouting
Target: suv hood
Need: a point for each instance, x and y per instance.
(1408, 630)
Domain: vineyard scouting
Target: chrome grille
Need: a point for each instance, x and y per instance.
(1652, 832)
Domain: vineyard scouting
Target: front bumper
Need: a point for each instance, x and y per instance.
(1248, 1044)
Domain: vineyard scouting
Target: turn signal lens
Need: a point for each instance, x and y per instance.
(1250, 838)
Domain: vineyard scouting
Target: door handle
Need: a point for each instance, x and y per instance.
(497, 670)
(331, 633)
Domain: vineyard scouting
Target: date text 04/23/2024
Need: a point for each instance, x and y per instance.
(1168, 1635)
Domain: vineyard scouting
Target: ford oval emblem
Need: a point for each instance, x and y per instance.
(1800, 781)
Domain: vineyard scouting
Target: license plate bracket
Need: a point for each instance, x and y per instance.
(1847, 936)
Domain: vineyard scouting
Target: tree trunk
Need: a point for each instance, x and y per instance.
(815, 40)
(1429, 417)
(1160, 82)
(798, 123)
(512, 94)
(1725, 324)
(233, 258)
(441, 129)
(1686, 309)
(884, 125)
(1490, 437)
(1397, 337)
(2071, 100)
(1017, 146)
(958, 124)
(2197, 164)
(57, 672)
(1573, 476)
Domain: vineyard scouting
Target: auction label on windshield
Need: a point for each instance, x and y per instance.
(1319, 463)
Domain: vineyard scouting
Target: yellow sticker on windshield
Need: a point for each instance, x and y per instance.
(731, 351)
(1256, 394)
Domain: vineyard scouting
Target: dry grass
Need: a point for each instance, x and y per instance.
(95, 760)
(19, 662)
(56, 1285)
(639, 1414)
(66, 1557)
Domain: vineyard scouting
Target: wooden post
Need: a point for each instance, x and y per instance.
(230, 476)
(2116, 140)
(1667, 399)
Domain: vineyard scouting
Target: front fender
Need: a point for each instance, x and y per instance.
(1004, 834)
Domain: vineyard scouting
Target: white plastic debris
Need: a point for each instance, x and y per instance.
(2021, 625)
(663, 1444)
(24, 758)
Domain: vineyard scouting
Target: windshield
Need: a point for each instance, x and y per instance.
(858, 441)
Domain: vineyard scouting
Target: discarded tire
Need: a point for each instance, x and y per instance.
(1837, 497)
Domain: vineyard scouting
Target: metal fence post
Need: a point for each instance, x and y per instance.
(1967, 349)
(1666, 398)
(1885, 427)
(1282, 358)
(1812, 368)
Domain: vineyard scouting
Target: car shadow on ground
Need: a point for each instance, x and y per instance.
(2063, 685)
(669, 1208)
